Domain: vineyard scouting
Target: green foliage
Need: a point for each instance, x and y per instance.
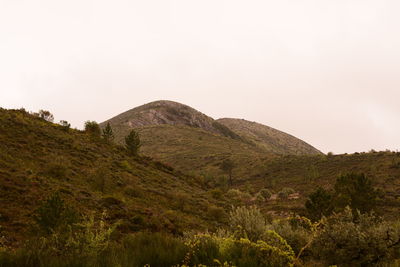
(92, 128)
(216, 213)
(227, 166)
(46, 115)
(132, 143)
(361, 240)
(285, 192)
(216, 193)
(319, 204)
(266, 193)
(356, 191)
(212, 250)
(108, 134)
(247, 222)
(154, 249)
(237, 197)
(54, 214)
(65, 125)
(296, 233)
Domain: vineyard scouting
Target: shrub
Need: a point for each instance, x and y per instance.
(237, 196)
(356, 191)
(285, 192)
(53, 214)
(216, 213)
(247, 222)
(265, 193)
(319, 204)
(153, 249)
(46, 115)
(213, 251)
(259, 197)
(356, 240)
(216, 193)
(92, 128)
(297, 235)
(65, 125)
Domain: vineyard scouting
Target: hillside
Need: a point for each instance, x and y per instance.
(193, 142)
(305, 173)
(171, 113)
(38, 158)
(268, 138)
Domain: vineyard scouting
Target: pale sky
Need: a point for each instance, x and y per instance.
(326, 71)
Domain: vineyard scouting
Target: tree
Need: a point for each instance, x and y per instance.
(132, 143)
(92, 128)
(356, 191)
(319, 204)
(46, 115)
(65, 125)
(54, 213)
(227, 166)
(108, 133)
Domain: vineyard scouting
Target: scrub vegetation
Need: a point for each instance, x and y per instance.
(77, 198)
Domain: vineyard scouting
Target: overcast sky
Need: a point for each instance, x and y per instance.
(325, 71)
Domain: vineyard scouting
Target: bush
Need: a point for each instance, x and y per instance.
(209, 250)
(46, 115)
(54, 214)
(237, 196)
(285, 192)
(296, 234)
(356, 240)
(216, 193)
(247, 222)
(216, 213)
(92, 128)
(319, 204)
(153, 249)
(265, 193)
(356, 191)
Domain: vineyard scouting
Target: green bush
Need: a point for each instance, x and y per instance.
(265, 193)
(357, 240)
(154, 249)
(285, 192)
(297, 235)
(211, 250)
(54, 214)
(247, 222)
(92, 128)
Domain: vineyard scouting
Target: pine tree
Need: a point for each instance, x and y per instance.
(132, 143)
(108, 133)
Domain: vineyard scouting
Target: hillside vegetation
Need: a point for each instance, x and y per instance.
(39, 158)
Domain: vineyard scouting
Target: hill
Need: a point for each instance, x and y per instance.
(193, 142)
(39, 158)
(306, 173)
(171, 113)
(268, 138)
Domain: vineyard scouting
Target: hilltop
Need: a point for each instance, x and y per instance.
(191, 141)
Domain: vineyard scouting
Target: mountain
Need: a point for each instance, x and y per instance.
(191, 141)
(269, 138)
(171, 113)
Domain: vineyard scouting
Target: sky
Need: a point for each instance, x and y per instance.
(327, 72)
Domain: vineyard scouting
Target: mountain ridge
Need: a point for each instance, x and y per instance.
(163, 112)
